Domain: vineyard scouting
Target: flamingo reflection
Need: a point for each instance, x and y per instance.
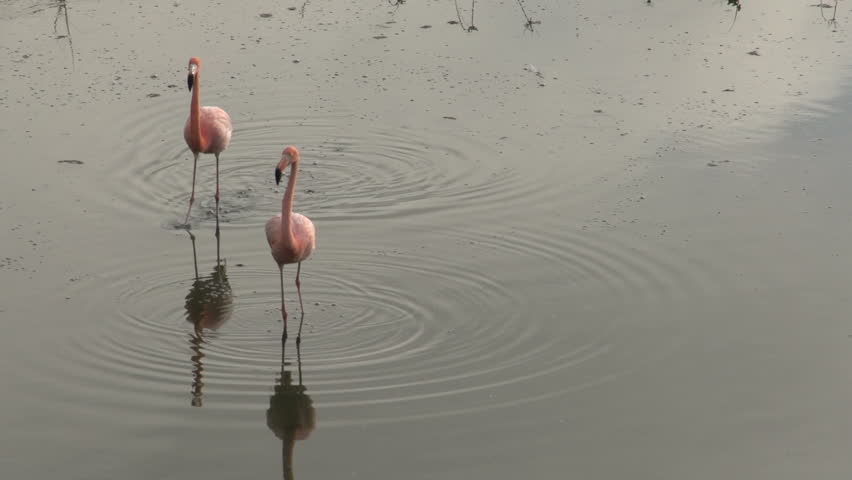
(291, 415)
(208, 305)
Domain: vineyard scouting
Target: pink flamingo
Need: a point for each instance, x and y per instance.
(207, 130)
(291, 236)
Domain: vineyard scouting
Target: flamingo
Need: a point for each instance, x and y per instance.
(291, 236)
(207, 130)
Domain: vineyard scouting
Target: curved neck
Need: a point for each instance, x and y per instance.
(195, 112)
(287, 205)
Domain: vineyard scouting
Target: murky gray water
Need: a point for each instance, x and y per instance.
(613, 246)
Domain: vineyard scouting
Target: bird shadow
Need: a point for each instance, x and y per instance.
(291, 415)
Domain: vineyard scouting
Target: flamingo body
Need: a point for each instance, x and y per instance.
(215, 131)
(304, 233)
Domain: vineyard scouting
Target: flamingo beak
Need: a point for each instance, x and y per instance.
(277, 175)
(189, 79)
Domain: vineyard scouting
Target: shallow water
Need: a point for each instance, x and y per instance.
(615, 245)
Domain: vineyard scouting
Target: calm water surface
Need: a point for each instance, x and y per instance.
(613, 246)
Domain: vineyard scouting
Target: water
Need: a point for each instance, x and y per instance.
(611, 246)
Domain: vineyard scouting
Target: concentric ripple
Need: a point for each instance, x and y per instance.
(388, 335)
(352, 168)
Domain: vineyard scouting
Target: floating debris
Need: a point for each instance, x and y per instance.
(153, 95)
(450, 118)
(716, 163)
(71, 162)
(267, 15)
(531, 68)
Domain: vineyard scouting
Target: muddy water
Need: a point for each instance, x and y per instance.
(613, 245)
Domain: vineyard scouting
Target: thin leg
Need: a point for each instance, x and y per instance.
(299, 361)
(217, 195)
(194, 256)
(217, 250)
(282, 360)
(301, 307)
(283, 308)
(192, 196)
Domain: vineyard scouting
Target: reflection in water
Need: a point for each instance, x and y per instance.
(291, 414)
(209, 305)
(209, 302)
(195, 342)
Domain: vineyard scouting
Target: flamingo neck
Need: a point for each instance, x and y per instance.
(287, 205)
(195, 114)
(287, 445)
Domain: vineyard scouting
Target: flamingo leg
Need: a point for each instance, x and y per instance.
(217, 195)
(301, 306)
(283, 308)
(192, 195)
(218, 251)
(194, 256)
(299, 362)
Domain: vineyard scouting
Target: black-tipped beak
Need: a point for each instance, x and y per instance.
(189, 79)
(277, 175)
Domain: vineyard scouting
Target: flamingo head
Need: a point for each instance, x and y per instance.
(194, 66)
(288, 156)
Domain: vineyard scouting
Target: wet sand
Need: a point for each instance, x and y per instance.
(615, 245)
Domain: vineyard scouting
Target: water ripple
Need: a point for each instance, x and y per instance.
(388, 334)
(352, 168)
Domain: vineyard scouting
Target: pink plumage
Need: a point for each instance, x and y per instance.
(291, 236)
(207, 130)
